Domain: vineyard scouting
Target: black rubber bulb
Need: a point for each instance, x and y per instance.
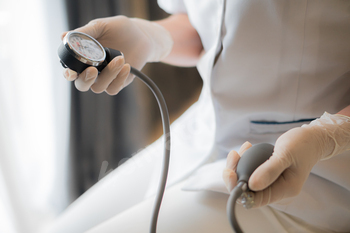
(252, 159)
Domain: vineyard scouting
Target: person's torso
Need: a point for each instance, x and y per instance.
(280, 62)
(275, 65)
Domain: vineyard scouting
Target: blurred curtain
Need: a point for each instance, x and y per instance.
(34, 111)
(107, 130)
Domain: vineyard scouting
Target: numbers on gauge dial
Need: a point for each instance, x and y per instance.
(86, 47)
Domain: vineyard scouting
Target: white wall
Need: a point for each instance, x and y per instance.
(34, 113)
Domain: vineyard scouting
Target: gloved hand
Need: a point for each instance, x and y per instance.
(295, 153)
(139, 40)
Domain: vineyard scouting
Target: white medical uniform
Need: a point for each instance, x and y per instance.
(271, 66)
(281, 62)
(268, 66)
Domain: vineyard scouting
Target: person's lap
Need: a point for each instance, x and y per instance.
(116, 204)
(186, 212)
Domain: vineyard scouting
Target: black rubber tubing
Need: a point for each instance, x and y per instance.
(166, 129)
(68, 60)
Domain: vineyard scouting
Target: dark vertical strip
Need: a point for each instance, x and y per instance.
(73, 13)
(113, 9)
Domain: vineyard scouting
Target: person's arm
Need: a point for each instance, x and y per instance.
(172, 40)
(187, 45)
(345, 111)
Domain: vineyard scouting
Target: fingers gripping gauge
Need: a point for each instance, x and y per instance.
(79, 51)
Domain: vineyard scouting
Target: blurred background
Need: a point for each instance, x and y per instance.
(56, 142)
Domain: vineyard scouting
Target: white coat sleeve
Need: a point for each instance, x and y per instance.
(172, 6)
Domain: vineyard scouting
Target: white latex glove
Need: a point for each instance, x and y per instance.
(139, 40)
(295, 153)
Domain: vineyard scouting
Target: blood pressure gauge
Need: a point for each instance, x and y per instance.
(79, 51)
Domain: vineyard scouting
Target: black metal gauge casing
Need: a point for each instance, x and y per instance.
(79, 51)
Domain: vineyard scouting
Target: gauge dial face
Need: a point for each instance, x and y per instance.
(86, 47)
